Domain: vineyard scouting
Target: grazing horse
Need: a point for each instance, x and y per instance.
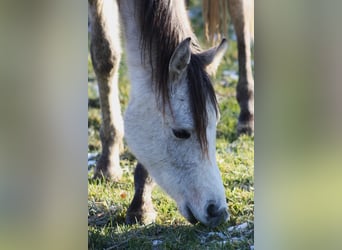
(170, 121)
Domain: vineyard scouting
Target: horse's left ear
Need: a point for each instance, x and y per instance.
(211, 58)
(180, 58)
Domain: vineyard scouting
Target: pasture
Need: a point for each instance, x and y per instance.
(108, 201)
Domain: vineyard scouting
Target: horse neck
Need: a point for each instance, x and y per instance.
(139, 63)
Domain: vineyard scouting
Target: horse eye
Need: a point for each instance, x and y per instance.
(181, 133)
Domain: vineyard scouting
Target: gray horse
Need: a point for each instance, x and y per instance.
(170, 121)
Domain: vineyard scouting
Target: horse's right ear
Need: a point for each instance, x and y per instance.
(180, 58)
(211, 58)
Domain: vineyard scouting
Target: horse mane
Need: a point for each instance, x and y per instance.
(163, 27)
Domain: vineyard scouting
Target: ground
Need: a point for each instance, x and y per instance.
(108, 201)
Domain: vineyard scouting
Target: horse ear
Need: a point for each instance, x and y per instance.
(180, 58)
(211, 58)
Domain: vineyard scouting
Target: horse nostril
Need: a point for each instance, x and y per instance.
(212, 210)
(216, 215)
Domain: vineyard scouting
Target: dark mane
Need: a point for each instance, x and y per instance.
(162, 29)
(201, 92)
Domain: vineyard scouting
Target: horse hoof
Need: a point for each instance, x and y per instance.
(107, 176)
(113, 174)
(143, 218)
(245, 128)
(107, 169)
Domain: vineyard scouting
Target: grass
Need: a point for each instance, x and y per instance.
(108, 201)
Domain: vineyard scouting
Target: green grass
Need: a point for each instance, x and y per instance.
(108, 201)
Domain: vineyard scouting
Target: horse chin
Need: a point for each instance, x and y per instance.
(187, 213)
(190, 216)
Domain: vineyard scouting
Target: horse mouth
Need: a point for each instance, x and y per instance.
(190, 216)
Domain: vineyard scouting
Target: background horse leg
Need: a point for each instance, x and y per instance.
(241, 12)
(141, 209)
(105, 53)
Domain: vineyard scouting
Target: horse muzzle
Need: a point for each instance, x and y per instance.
(214, 215)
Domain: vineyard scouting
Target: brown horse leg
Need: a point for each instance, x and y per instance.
(141, 209)
(105, 53)
(242, 15)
